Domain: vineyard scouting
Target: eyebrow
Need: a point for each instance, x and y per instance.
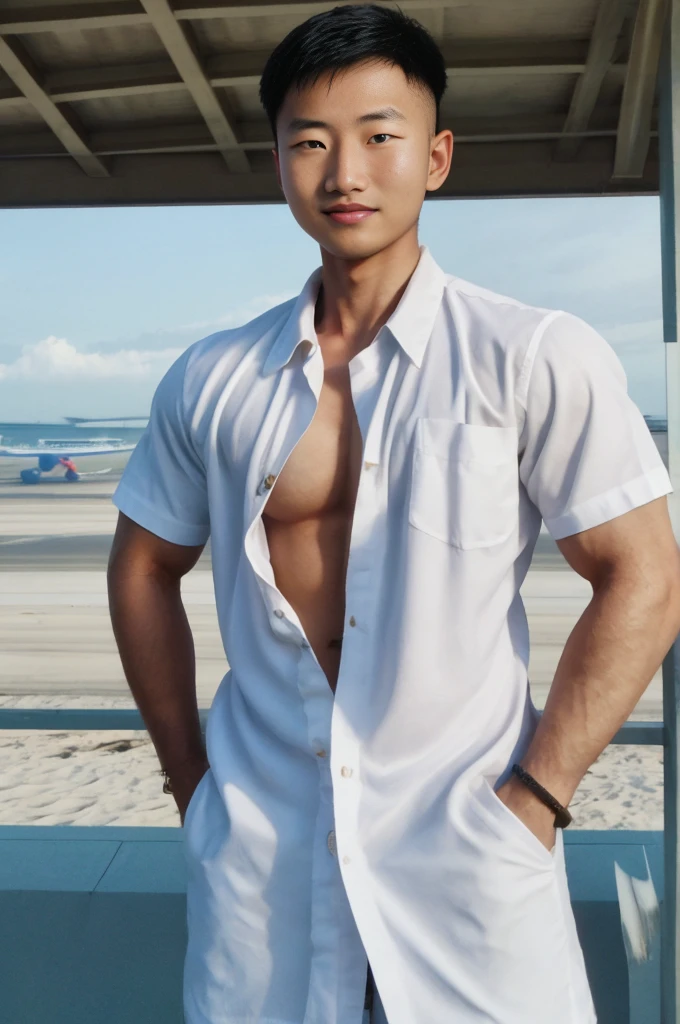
(299, 124)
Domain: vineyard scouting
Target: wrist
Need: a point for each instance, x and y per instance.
(559, 783)
(562, 816)
(525, 799)
(538, 818)
(183, 775)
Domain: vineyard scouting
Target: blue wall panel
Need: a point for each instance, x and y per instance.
(93, 924)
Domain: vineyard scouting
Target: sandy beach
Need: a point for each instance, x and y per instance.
(57, 650)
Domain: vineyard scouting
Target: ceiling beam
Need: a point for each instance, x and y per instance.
(204, 9)
(462, 61)
(189, 67)
(68, 86)
(18, 66)
(116, 13)
(511, 169)
(255, 136)
(245, 68)
(609, 21)
(70, 17)
(635, 118)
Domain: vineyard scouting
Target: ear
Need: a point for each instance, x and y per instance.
(441, 153)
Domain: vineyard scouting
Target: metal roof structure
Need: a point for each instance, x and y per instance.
(123, 102)
(106, 102)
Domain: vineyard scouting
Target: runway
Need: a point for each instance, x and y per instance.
(57, 649)
(55, 635)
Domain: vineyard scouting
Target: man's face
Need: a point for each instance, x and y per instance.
(365, 140)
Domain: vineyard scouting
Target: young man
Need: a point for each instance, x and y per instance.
(372, 461)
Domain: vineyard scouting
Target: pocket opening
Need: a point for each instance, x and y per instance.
(488, 806)
(192, 798)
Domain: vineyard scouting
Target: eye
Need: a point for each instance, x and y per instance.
(311, 143)
(381, 136)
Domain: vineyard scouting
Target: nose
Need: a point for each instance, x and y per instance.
(346, 172)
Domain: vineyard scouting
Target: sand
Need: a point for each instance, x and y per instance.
(57, 650)
(110, 778)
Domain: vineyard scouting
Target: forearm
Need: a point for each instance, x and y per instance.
(607, 663)
(157, 652)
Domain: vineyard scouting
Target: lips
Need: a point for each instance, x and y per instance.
(353, 213)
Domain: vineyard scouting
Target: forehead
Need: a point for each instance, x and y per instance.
(344, 95)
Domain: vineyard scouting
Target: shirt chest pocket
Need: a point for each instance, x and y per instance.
(465, 482)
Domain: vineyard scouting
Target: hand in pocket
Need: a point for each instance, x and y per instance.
(184, 786)
(531, 811)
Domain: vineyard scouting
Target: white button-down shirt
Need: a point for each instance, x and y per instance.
(332, 827)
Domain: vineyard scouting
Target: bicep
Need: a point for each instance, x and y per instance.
(639, 544)
(138, 551)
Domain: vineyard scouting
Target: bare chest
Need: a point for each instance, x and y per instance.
(321, 474)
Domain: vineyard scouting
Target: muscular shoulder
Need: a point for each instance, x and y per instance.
(496, 335)
(211, 359)
(495, 324)
(220, 366)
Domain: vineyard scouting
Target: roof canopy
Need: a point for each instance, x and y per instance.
(107, 102)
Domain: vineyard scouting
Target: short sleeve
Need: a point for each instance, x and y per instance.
(163, 487)
(586, 453)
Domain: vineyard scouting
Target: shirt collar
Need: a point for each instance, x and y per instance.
(298, 327)
(411, 322)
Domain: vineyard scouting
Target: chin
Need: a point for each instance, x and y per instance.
(354, 248)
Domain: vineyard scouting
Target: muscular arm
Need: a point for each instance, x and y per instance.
(611, 655)
(156, 647)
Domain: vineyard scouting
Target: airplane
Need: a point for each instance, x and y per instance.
(75, 457)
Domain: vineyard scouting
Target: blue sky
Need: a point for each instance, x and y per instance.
(95, 304)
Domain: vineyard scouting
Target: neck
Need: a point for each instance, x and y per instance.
(358, 296)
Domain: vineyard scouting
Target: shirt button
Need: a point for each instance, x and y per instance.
(331, 842)
(268, 481)
(345, 771)
(346, 860)
(352, 621)
(321, 753)
(278, 613)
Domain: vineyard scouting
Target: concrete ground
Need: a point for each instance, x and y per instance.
(55, 634)
(57, 648)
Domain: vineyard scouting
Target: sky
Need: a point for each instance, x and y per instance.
(95, 304)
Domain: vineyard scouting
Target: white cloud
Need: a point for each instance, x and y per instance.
(45, 379)
(57, 358)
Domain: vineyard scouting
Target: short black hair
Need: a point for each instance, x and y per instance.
(344, 36)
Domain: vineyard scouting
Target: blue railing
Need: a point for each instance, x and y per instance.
(119, 719)
(77, 719)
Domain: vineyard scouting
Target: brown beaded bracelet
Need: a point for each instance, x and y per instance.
(562, 815)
